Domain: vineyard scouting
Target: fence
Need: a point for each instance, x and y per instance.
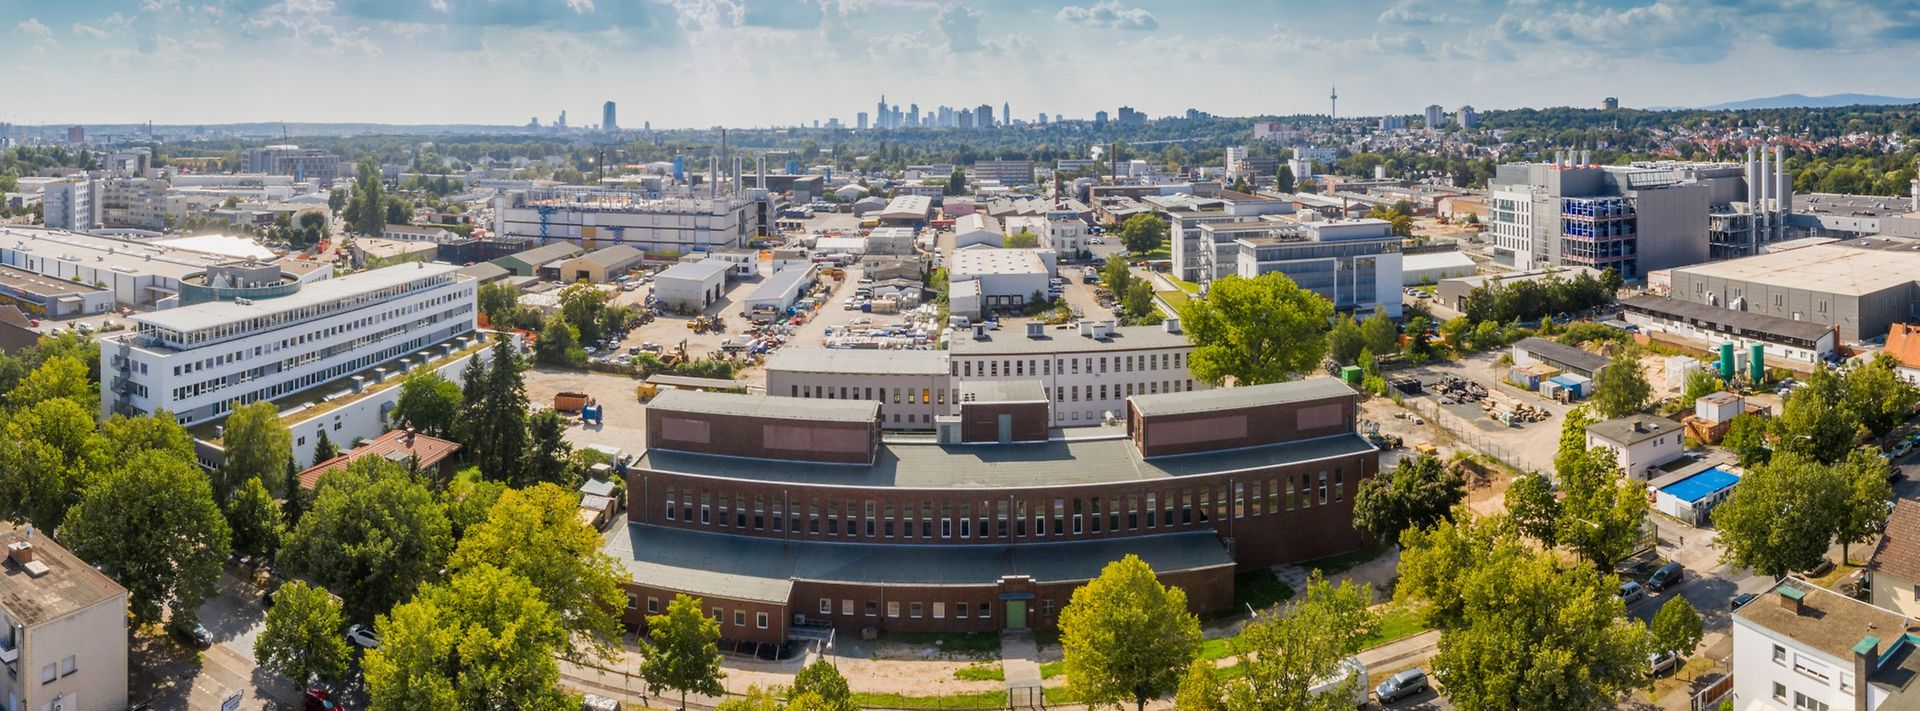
(1470, 436)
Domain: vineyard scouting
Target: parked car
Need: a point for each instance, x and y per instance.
(1667, 576)
(363, 636)
(1661, 662)
(1402, 685)
(318, 699)
(196, 635)
(1822, 568)
(1741, 600)
(1632, 592)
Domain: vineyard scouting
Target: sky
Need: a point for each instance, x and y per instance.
(680, 63)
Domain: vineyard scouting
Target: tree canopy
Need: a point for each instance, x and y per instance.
(257, 444)
(485, 639)
(537, 534)
(1126, 636)
(373, 536)
(302, 638)
(150, 524)
(683, 651)
(428, 403)
(1261, 330)
(1418, 491)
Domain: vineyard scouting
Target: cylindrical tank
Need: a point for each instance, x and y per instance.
(1757, 363)
(1726, 361)
(679, 169)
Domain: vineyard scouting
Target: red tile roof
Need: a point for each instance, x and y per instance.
(1898, 554)
(397, 445)
(1903, 342)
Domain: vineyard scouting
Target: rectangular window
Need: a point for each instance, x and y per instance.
(1779, 691)
(1779, 654)
(653, 606)
(760, 620)
(739, 618)
(68, 666)
(873, 609)
(914, 610)
(846, 606)
(939, 610)
(826, 606)
(48, 674)
(986, 610)
(960, 610)
(893, 608)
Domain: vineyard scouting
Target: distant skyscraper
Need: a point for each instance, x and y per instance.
(860, 121)
(1099, 117)
(1466, 117)
(983, 116)
(1436, 116)
(76, 134)
(1610, 103)
(880, 114)
(913, 115)
(1006, 114)
(562, 123)
(607, 122)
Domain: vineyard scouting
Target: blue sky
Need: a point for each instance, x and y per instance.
(761, 62)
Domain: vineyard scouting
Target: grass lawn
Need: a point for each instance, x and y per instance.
(1184, 285)
(983, 671)
(975, 700)
(1173, 298)
(979, 645)
(1396, 623)
(1334, 565)
(1050, 670)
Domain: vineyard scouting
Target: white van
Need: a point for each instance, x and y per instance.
(1349, 669)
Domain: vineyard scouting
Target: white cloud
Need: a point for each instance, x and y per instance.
(37, 34)
(1109, 15)
(1417, 12)
(88, 31)
(961, 26)
(580, 6)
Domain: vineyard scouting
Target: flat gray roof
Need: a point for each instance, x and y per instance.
(1621, 429)
(695, 271)
(848, 361)
(929, 465)
(214, 313)
(1013, 343)
(1183, 403)
(1849, 268)
(1003, 391)
(68, 586)
(785, 408)
(33, 283)
(613, 255)
(763, 569)
(783, 281)
(1550, 350)
(544, 254)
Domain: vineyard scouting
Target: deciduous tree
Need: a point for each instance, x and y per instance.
(1261, 330)
(1621, 389)
(1126, 636)
(483, 640)
(1781, 516)
(50, 454)
(1379, 334)
(1533, 508)
(301, 639)
(257, 444)
(255, 520)
(60, 376)
(1345, 341)
(537, 534)
(1676, 628)
(822, 680)
(683, 651)
(1747, 439)
(1286, 654)
(1142, 233)
(428, 403)
(150, 524)
(1415, 493)
(373, 536)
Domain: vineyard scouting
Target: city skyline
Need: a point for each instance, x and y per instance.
(500, 61)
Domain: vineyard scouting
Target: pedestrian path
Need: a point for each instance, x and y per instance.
(1020, 663)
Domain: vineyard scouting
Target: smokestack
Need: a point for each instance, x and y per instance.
(1586, 157)
(713, 176)
(1766, 181)
(762, 172)
(1753, 181)
(1782, 190)
(1915, 187)
(736, 175)
(1559, 157)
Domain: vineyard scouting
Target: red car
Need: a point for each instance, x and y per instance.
(319, 700)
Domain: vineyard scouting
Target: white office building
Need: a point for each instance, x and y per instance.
(1089, 373)
(259, 339)
(70, 205)
(1353, 263)
(595, 218)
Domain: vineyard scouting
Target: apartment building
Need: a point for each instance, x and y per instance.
(1803, 647)
(69, 205)
(303, 164)
(258, 336)
(1088, 374)
(63, 629)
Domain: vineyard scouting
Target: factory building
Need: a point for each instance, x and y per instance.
(1860, 287)
(595, 217)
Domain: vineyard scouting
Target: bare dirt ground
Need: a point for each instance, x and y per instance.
(625, 418)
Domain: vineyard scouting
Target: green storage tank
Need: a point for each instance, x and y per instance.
(1351, 375)
(1726, 361)
(1757, 363)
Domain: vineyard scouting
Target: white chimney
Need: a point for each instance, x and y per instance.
(1766, 181)
(1915, 187)
(1782, 190)
(1753, 181)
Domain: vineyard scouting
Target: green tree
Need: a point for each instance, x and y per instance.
(373, 536)
(1814, 421)
(1533, 508)
(469, 500)
(1867, 500)
(1603, 513)
(1142, 233)
(150, 524)
(1283, 180)
(1126, 636)
(683, 652)
(473, 400)
(584, 306)
(301, 639)
(1676, 628)
(957, 182)
(1701, 383)
(823, 681)
(367, 211)
(1621, 389)
(50, 455)
(500, 433)
(1401, 221)
(1115, 275)
(1417, 492)
(1378, 333)
(1024, 239)
(324, 448)
(1261, 330)
(756, 698)
(1419, 348)
(122, 436)
(1781, 516)
(1458, 332)
(483, 640)
(559, 345)
(1747, 439)
(547, 451)
(255, 520)
(57, 377)
(500, 302)
(428, 403)
(337, 200)
(1286, 654)
(1200, 689)
(257, 444)
(1137, 306)
(537, 534)
(1877, 396)
(1345, 341)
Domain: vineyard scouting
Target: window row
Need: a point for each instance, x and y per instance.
(1019, 367)
(1003, 518)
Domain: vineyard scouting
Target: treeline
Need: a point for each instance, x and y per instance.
(1526, 300)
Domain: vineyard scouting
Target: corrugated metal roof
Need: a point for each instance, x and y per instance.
(1241, 397)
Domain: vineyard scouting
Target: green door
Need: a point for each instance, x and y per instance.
(1016, 614)
(1006, 428)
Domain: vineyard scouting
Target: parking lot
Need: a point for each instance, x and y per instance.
(1526, 446)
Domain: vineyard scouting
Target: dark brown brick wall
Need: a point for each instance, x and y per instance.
(745, 436)
(980, 421)
(1267, 532)
(1268, 424)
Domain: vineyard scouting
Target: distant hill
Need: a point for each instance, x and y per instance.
(1800, 101)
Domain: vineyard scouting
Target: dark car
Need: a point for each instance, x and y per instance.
(195, 634)
(1401, 685)
(1741, 600)
(1667, 576)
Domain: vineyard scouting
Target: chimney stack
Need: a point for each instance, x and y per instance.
(20, 552)
(1766, 181)
(1866, 658)
(1791, 598)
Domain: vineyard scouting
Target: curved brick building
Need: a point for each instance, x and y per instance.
(788, 515)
